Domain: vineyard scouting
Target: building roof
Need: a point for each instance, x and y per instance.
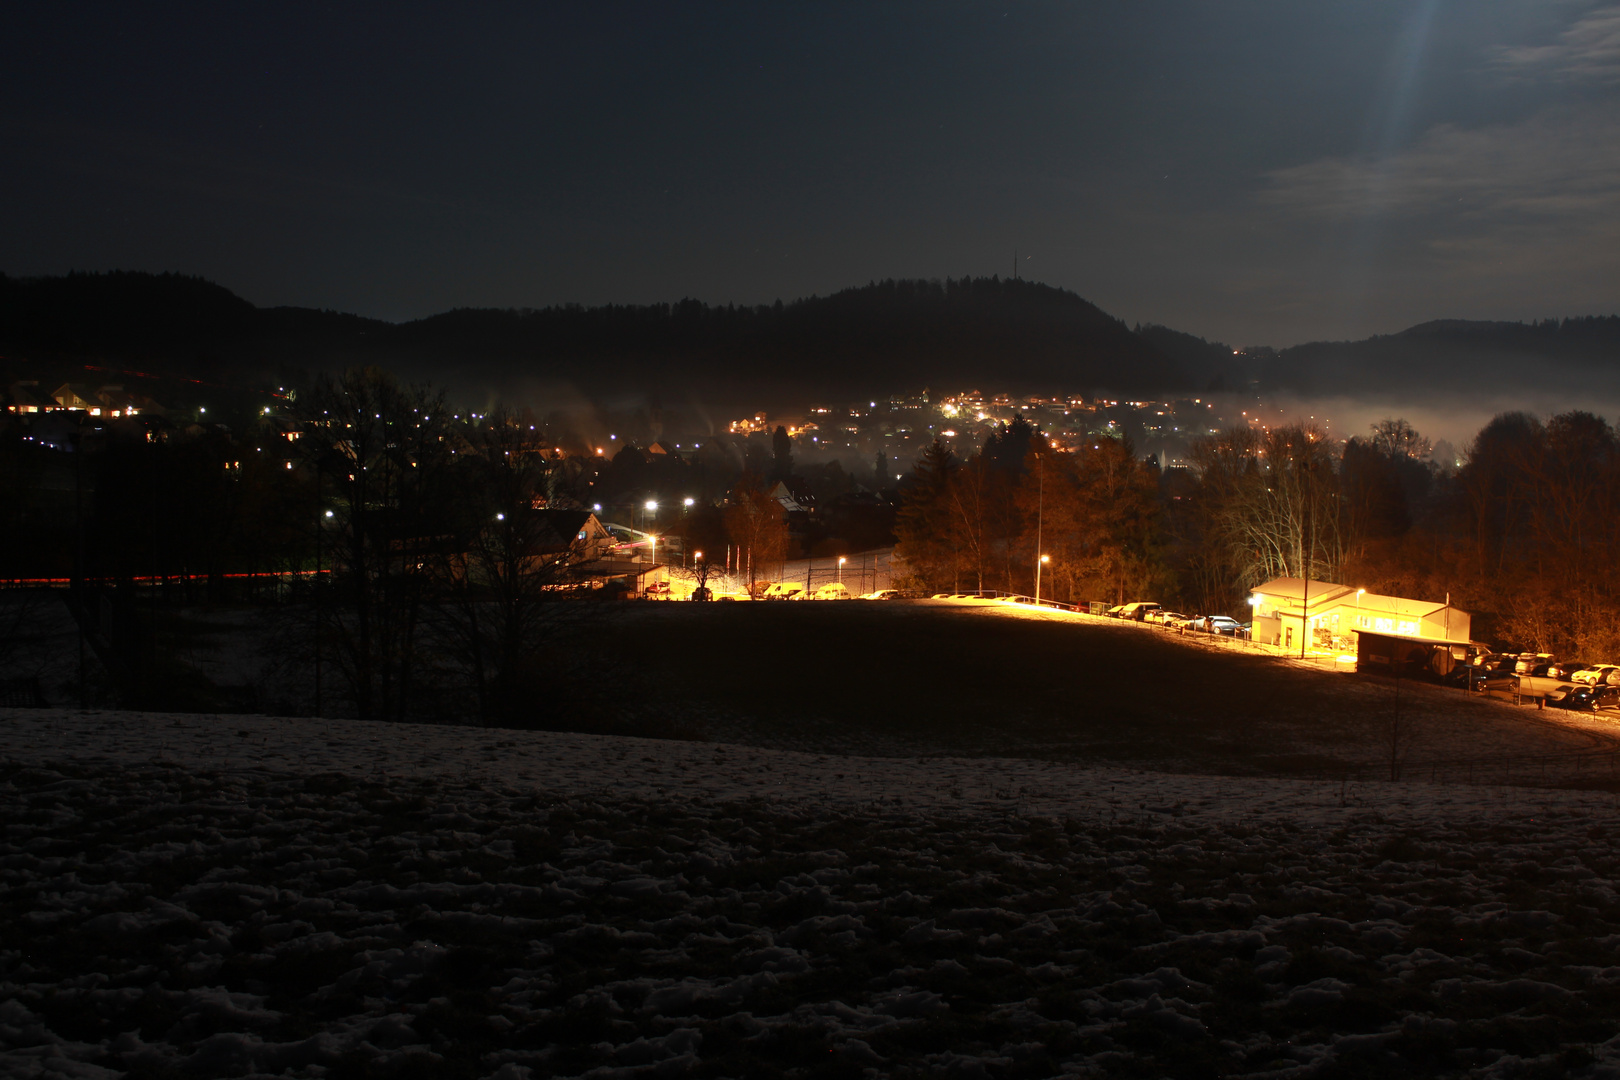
(1419, 638)
(1400, 605)
(1288, 592)
(26, 394)
(1294, 590)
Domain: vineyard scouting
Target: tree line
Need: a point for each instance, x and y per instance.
(1525, 534)
(399, 548)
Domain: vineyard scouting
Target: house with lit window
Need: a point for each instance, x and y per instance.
(25, 398)
(1379, 629)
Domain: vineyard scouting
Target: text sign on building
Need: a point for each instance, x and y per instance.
(1389, 626)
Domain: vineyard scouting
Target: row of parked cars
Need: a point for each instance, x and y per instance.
(1147, 611)
(833, 590)
(1564, 684)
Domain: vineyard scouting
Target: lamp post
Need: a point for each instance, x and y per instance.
(1040, 562)
(686, 505)
(840, 569)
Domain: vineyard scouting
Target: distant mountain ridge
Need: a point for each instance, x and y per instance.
(1456, 355)
(993, 334)
(892, 335)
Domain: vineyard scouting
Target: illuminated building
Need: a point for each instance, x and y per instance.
(1378, 629)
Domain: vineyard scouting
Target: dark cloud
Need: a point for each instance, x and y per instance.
(1255, 171)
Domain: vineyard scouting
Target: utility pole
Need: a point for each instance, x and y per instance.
(79, 594)
(1040, 509)
(320, 536)
(1305, 591)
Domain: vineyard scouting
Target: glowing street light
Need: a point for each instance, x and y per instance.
(840, 569)
(1042, 561)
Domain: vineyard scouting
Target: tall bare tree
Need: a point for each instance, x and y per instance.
(383, 453)
(755, 524)
(1271, 502)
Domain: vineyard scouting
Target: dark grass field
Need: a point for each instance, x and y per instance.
(930, 677)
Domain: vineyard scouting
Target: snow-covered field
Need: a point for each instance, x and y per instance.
(186, 895)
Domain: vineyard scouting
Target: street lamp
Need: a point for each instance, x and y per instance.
(1042, 561)
(840, 569)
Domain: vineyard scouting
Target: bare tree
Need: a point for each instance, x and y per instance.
(382, 453)
(509, 607)
(754, 522)
(1270, 499)
(1397, 438)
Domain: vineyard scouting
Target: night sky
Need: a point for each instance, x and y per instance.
(1254, 172)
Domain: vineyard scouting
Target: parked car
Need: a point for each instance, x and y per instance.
(1221, 624)
(782, 590)
(833, 590)
(882, 594)
(1480, 677)
(1166, 618)
(1138, 610)
(1598, 675)
(1606, 697)
(1115, 612)
(1527, 661)
(1578, 696)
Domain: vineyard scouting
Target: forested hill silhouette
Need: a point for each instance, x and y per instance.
(1458, 357)
(990, 333)
(1014, 335)
(177, 324)
(892, 335)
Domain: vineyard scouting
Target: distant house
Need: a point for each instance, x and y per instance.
(574, 534)
(1285, 609)
(25, 398)
(784, 497)
(549, 542)
(69, 396)
(108, 401)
